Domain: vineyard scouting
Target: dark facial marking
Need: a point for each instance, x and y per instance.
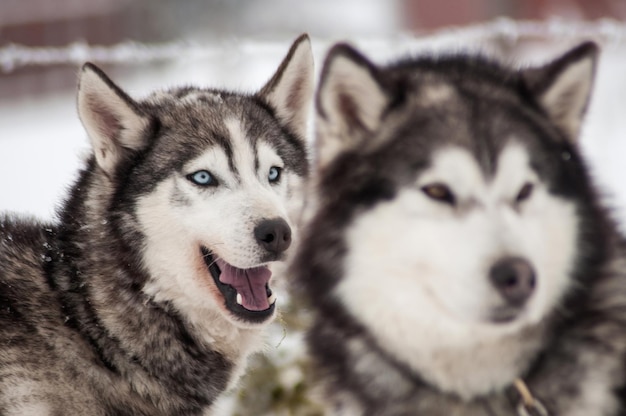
(178, 197)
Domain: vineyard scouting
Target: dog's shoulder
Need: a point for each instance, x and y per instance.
(24, 241)
(26, 253)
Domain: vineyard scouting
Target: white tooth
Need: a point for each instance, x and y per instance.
(271, 299)
(239, 299)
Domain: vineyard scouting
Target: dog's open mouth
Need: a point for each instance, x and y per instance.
(246, 292)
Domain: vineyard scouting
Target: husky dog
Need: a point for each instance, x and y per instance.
(148, 294)
(458, 260)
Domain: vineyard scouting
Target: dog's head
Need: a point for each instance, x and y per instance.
(451, 194)
(204, 181)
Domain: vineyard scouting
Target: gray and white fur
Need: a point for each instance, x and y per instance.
(152, 287)
(458, 246)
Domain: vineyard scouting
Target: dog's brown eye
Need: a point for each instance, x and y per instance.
(525, 192)
(439, 192)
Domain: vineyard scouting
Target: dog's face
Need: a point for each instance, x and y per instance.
(458, 190)
(237, 205)
(459, 250)
(225, 211)
(212, 189)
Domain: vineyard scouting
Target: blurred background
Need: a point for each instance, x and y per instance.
(237, 44)
(41, 23)
(150, 44)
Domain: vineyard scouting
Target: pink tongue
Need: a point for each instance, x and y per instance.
(249, 283)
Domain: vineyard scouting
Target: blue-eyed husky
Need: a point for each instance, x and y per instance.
(152, 288)
(459, 261)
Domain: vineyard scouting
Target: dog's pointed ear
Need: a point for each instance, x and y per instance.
(350, 102)
(563, 87)
(114, 122)
(290, 89)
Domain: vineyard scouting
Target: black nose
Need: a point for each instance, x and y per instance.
(514, 278)
(274, 235)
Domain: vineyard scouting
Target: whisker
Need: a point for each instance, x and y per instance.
(209, 253)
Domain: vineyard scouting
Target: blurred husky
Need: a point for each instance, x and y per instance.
(459, 261)
(148, 294)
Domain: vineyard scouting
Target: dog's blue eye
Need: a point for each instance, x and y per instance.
(202, 178)
(274, 174)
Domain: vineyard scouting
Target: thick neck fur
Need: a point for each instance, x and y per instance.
(575, 371)
(148, 346)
